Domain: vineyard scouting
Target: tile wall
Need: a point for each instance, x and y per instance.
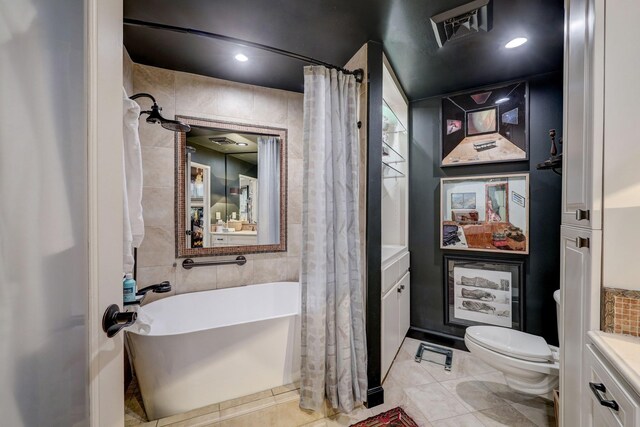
(181, 93)
(621, 311)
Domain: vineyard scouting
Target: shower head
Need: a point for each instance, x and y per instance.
(154, 116)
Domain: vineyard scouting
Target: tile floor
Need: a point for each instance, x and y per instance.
(472, 394)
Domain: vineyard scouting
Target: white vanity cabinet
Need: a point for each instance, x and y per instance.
(611, 401)
(395, 319)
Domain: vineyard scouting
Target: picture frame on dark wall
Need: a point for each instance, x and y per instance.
(483, 291)
(488, 125)
(487, 213)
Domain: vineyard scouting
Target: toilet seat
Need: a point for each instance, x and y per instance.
(511, 343)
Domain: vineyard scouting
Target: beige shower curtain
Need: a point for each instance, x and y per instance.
(334, 358)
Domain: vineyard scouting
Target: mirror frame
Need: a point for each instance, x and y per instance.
(180, 204)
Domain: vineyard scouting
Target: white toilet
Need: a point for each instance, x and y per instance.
(528, 363)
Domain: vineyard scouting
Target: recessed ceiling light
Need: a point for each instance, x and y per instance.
(241, 57)
(501, 100)
(518, 41)
(242, 144)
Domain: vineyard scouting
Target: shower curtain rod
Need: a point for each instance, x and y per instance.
(359, 73)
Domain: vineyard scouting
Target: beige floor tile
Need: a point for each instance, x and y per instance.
(205, 420)
(266, 417)
(435, 402)
(188, 415)
(502, 416)
(285, 388)
(412, 410)
(495, 382)
(353, 417)
(467, 420)
(473, 394)
(409, 373)
(245, 408)
(538, 410)
(293, 395)
(245, 399)
(289, 414)
(138, 423)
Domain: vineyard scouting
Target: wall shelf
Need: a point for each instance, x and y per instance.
(389, 171)
(390, 155)
(390, 122)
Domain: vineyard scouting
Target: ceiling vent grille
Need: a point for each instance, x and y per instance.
(221, 140)
(462, 21)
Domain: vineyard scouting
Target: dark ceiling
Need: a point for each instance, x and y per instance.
(333, 30)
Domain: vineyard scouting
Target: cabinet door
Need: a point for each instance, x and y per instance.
(390, 329)
(583, 114)
(580, 285)
(404, 297)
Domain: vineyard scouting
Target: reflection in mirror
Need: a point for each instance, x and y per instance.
(233, 185)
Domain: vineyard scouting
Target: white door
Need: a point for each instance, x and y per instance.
(61, 212)
(580, 285)
(390, 327)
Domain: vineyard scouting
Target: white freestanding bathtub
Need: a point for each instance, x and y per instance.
(207, 347)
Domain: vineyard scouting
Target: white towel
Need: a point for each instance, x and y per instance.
(142, 325)
(132, 161)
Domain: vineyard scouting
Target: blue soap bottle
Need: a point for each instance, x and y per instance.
(129, 288)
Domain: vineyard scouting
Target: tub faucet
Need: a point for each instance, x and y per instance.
(158, 288)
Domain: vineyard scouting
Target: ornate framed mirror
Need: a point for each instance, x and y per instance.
(231, 188)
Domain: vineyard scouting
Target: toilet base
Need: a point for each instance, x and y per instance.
(533, 378)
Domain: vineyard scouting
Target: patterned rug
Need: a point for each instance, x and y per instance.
(395, 417)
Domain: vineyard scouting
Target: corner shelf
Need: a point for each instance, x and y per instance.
(389, 171)
(390, 155)
(390, 122)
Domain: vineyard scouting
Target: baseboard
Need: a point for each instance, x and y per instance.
(437, 338)
(375, 397)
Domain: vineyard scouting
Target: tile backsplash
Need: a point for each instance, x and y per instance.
(621, 311)
(186, 94)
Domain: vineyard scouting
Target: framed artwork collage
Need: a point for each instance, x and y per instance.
(487, 213)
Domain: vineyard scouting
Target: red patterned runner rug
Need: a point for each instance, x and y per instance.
(395, 417)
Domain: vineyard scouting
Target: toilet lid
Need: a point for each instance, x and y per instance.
(510, 342)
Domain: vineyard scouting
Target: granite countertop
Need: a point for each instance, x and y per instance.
(623, 352)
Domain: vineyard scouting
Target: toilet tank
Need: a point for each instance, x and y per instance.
(556, 297)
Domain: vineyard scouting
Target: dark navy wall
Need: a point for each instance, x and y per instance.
(542, 265)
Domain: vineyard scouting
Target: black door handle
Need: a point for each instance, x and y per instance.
(598, 388)
(113, 320)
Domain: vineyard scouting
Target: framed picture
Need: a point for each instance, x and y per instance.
(485, 213)
(488, 125)
(480, 291)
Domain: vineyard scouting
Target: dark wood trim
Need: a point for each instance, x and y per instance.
(437, 338)
(375, 394)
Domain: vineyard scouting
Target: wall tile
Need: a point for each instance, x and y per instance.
(158, 167)
(620, 311)
(195, 279)
(157, 248)
(270, 105)
(229, 276)
(157, 207)
(157, 82)
(270, 270)
(210, 98)
(196, 93)
(234, 100)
